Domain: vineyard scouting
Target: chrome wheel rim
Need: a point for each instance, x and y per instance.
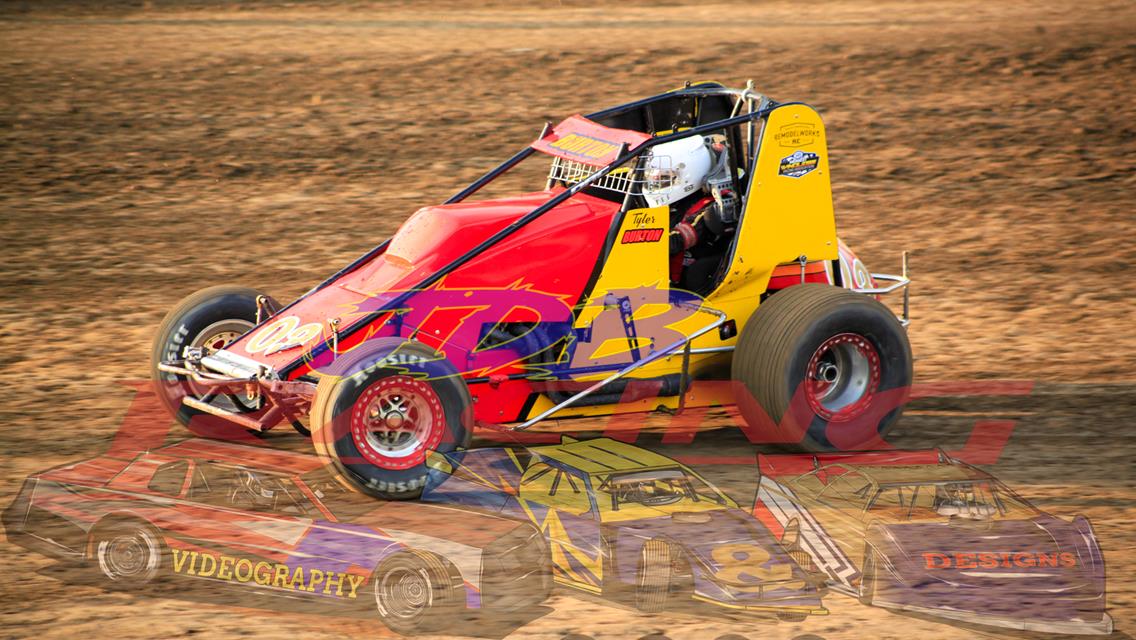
(404, 593)
(842, 377)
(129, 556)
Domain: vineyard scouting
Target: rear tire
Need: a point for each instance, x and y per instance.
(416, 592)
(792, 616)
(824, 365)
(382, 408)
(211, 318)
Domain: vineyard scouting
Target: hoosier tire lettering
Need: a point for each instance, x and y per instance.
(414, 484)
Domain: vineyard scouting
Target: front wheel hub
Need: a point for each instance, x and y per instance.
(843, 376)
(396, 420)
(404, 593)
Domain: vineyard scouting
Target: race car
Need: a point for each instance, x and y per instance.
(683, 238)
(281, 523)
(624, 521)
(926, 533)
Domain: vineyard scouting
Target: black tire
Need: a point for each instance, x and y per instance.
(417, 592)
(792, 616)
(435, 401)
(800, 338)
(301, 428)
(660, 583)
(869, 578)
(211, 317)
(130, 555)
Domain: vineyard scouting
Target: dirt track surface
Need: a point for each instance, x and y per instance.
(146, 154)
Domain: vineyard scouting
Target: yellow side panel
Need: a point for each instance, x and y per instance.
(789, 210)
(639, 258)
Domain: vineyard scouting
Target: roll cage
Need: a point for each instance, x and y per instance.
(869, 492)
(688, 104)
(640, 486)
(694, 109)
(689, 111)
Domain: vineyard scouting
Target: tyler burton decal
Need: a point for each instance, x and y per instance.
(798, 163)
(635, 236)
(281, 576)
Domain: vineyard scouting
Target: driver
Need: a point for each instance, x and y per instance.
(691, 177)
(252, 492)
(647, 492)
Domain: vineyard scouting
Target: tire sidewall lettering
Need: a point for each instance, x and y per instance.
(355, 376)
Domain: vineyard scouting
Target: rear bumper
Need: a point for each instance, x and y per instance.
(894, 283)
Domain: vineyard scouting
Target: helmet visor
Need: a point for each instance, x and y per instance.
(658, 176)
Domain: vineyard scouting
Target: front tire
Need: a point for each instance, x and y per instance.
(824, 365)
(382, 408)
(416, 592)
(129, 555)
(660, 582)
(211, 319)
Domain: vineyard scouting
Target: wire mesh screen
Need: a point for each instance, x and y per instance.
(621, 180)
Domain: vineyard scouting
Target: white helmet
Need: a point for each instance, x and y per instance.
(675, 170)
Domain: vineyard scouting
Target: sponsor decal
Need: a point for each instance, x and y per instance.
(797, 134)
(1003, 559)
(635, 236)
(268, 574)
(643, 219)
(584, 146)
(798, 164)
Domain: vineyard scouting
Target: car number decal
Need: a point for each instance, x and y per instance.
(742, 563)
(283, 333)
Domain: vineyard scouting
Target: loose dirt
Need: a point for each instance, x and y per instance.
(150, 151)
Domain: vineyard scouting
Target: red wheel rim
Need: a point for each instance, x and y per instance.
(842, 377)
(395, 421)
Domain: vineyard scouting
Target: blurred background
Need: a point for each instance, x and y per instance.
(151, 149)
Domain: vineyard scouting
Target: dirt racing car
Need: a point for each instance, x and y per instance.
(681, 238)
(621, 520)
(925, 533)
(281, 523)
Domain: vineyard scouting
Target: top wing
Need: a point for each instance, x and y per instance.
(581, 140)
